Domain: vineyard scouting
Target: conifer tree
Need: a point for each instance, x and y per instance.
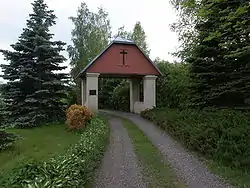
(35, 89)
(220, 57)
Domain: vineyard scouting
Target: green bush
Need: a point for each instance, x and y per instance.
(2, 110)
(106, 89)
(223, 135)
(73, 169)
(2, 117)
(120, 97)
(173, 86)
(7, 139)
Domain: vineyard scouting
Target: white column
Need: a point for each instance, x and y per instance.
(83, 92)
(134, 93)
(149, 91)
(92, 91)
(131, 95)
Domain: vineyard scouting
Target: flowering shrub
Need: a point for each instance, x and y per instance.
(73, 169)
(77, 116)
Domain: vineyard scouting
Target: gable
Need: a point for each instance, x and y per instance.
(111, 61)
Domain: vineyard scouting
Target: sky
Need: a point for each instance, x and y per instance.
(154, 15)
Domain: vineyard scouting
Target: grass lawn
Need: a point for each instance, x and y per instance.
(236, 177)
(37, 144)
(154, 169)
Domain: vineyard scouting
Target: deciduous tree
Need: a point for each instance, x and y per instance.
(139, 37)
(90, 35)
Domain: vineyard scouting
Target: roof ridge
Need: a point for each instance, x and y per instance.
(119, 39)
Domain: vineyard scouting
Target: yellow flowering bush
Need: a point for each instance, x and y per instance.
(77, 116)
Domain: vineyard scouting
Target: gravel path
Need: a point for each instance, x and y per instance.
(120, 167)
(187, 167)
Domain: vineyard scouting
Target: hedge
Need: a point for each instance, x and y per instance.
(223, 135)
(73, 169)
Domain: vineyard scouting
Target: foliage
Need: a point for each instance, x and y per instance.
(222, 135)
(71, 94)
(2, 108)
(120, 97)
(77, 117)
(106, 89)
(235, 176)
(185, 26)
(7, 139)
(122, 33)
(90, 35)
(139, 37)
(34, 91)
(173, 86)
(75, 168)
(38, 144)
(219, 60)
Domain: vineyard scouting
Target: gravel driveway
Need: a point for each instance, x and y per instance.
(119, 167)
(187, 167)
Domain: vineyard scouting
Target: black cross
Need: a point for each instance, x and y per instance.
(123, 52)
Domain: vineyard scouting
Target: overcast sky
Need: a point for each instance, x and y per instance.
(155, 16)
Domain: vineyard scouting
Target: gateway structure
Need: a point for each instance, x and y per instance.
(121, 58)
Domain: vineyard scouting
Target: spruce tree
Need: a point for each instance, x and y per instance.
(2, 105)
(34, 91)
(234, 40)
(220, 58)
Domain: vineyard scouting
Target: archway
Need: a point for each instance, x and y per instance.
(121, 58)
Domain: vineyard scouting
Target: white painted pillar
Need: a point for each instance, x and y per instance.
(131, 95)
(92, 91)
(134, 93)
(83, 92)
(149, 91)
